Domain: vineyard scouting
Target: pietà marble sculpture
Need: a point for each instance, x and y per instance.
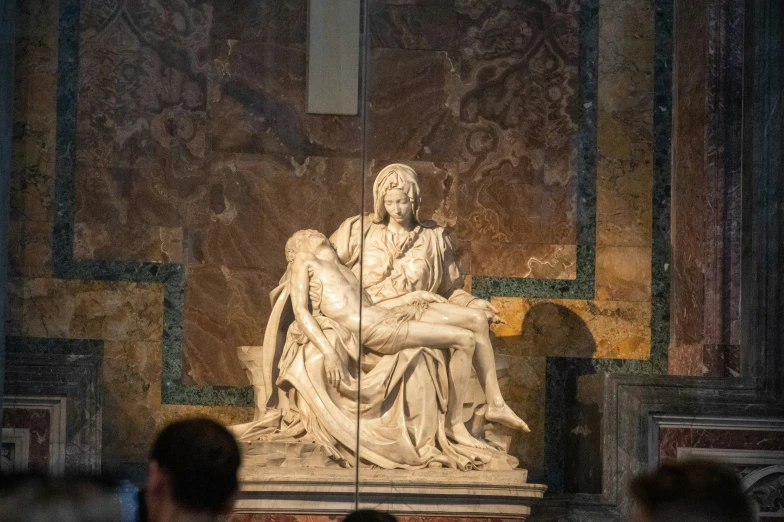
(421, 336)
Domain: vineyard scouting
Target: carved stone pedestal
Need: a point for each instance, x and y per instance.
(434, 492)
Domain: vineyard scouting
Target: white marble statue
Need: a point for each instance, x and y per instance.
(419, 346)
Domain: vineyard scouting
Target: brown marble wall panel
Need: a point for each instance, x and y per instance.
(142, 122)
(625, 123)
(257, 202)
(688, 174)
(14, 306)
(33, 157)
(623, 273)
(723, 167)
(513, 204)
(36, 58)
(684, 359)
(33, 150)
(139, 198)
(173, 141)
(417, 25)
(414, 103)
(37, 249)
(258, 104)
(283, 21)
(168, 198)
(159, 244)
(519, 121)
(15, 248)
(571, 328)
(705, 360)
(732, 368)
(707, 95)
(163, 56)
(537, 260)
(224, 309)
(713, 360)
(91, 309)
(143, 71)
(524, 391)
(103, 194)
(96, 93)
(133, 412)
(130, 370)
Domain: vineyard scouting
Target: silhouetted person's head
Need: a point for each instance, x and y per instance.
(369, 515)
(193, 471)
(691, 491)
(37, 498)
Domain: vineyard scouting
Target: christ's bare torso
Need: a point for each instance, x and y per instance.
(336, 292)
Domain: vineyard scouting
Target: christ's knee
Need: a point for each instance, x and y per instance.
(477, 321)
(465, 341)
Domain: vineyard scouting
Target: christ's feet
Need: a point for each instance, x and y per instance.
(504, 415)
(460, 434)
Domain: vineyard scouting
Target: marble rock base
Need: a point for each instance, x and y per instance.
(434, 492)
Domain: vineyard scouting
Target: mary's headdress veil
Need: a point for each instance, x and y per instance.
(395, 176)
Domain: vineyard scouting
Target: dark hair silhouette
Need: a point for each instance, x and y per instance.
(693, 491)
(369, 515)
(201, 459)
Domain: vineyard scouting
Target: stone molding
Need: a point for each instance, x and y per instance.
(431, 492)
(45, 368)
(57, 408)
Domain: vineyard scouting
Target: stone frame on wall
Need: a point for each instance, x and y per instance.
(57, 409)
(45, 368)
(20, 438)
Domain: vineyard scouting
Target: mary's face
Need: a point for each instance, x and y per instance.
(399, 207)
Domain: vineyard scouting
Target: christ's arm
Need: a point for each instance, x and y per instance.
(300, 283)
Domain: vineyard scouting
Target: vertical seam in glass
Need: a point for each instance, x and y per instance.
(364, 78)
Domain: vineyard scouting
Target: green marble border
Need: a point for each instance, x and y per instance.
(172, 276)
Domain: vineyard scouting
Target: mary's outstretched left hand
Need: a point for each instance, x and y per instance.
(493, 315)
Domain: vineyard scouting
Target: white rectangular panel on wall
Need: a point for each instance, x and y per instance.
(333, 56)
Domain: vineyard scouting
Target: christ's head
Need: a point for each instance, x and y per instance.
(305, 241)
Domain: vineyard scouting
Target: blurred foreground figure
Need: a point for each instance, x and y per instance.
(192, 473)
(691, 491)
(369, 515)
(29, 498)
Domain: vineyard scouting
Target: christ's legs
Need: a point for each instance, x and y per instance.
(484, 360)
(462, 343)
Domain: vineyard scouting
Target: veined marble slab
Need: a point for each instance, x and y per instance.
(422, 492)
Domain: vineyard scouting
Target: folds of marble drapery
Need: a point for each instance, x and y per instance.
(402, 400)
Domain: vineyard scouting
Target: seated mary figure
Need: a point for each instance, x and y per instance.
(410, 373)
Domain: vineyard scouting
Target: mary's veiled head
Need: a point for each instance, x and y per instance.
(395, 176)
